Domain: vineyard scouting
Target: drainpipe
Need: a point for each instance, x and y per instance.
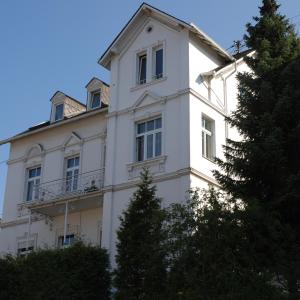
(66, 221)
(29, 230)
(225, 97)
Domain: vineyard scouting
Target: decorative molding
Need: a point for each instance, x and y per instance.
(101, 135)
(155, 165)
(154, 81)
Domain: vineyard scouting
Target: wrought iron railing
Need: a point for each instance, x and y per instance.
(71, 186)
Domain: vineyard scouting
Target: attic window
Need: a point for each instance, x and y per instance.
(142, 68)
(149, 29)
(95, 99)
(59, 112)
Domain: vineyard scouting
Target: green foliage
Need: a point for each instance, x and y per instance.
(77, 272)
(264, 168)
(209, 254)
(141, 268)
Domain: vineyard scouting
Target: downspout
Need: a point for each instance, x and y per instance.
(66, 222)
(226, 99)
(29, 230)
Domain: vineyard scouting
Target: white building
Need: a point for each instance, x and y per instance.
(171, 87)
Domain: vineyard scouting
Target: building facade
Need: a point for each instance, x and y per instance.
(70, 178)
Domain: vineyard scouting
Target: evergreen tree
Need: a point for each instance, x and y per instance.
(264, 168)
(209, 256)
(141, 268)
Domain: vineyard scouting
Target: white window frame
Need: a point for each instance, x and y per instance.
(154, 50)
(92, 98)
(70, 180)
(36, 180)
(139, 67)
(55, 108)
(25, 247)
(70, 240)
(145, 134)
(204, 133)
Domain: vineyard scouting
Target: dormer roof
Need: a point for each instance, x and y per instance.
(71, 106)
(58, 95)
(146, 10)
(95, 80)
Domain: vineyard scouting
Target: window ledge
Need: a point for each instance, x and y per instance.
(209, 159)
(153, 81)
(155, 165)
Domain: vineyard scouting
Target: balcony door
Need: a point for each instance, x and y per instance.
(72, 174)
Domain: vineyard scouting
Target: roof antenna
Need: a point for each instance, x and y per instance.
(237, 46)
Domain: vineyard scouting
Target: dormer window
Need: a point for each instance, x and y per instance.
(95, 99)
(59, 112)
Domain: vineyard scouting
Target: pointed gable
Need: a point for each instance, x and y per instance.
(137, 20)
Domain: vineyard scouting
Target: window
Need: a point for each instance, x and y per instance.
(158, 63)
(207, 138)
(148, 139)
(95, 99)
(33, 182)
(72, 173)
(142, 68)
(59, 112)
(70, 239)
(25, 247)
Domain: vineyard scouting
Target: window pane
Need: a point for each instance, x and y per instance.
(95, 100)
(150, 125)
(36, 189)
(75, 180)
(158, 123)
(140, 148)
(76, 163)
(209, 153)
(142, 69)
(32, 173)
(29, 190)
(203, 145)
(150, 146)
(59, 109)
(141, 128)
(158, 144)
(70, 163)
(207, 124)
(159, 63)
(38, 172)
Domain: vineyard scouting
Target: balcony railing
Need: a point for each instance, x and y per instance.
(68, 187)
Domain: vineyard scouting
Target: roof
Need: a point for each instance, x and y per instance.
(95, 78)
(47, 124)
(104, 60)
(236, 56)
(80, 103)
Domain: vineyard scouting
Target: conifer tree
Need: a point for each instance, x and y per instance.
(141, 267)
(264, 168)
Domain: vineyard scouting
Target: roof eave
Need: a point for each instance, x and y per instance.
(53, 125)
(211, 42)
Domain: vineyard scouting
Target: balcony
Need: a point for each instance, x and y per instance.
(82, 191)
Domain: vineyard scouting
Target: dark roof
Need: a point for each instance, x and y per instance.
(237, 57)
(97, 79)
(48, 123)
(242, 54)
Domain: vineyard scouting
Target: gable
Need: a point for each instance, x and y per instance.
(145, 11)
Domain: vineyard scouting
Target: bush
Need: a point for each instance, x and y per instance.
(77, 272)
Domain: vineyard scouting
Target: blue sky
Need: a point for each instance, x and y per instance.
(53, 45)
